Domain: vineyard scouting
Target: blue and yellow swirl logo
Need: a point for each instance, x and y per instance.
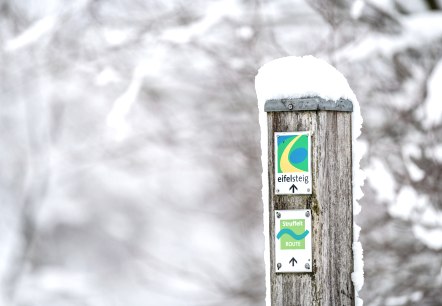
(292, 153)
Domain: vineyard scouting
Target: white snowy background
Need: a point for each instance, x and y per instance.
(130, 169)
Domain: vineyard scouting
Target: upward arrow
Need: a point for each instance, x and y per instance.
(292, 261)
(292, 188)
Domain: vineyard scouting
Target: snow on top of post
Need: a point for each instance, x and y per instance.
(433, 107)
(297, 77)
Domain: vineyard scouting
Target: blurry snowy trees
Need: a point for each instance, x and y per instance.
(129, 146)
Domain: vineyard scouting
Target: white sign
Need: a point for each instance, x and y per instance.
(293, 241)
(293, 173)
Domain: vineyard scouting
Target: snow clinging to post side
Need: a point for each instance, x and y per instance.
(37, 30)
(433, 107)
(116, 119)
(307, 76)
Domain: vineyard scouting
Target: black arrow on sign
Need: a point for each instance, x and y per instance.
(292, 261)
(293, 188)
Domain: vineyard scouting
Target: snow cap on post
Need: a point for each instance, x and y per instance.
(295, 81)
(302, 83)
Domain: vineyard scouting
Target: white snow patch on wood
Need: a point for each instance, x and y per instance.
(433, 102)
(116, 119)
(32, 34)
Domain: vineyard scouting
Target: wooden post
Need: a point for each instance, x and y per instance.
(331, 203)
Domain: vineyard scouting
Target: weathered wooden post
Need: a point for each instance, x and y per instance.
(310, 199)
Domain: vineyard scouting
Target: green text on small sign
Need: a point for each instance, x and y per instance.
(289, 242)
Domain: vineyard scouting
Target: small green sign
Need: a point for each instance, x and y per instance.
(293, 241)
(292, 234)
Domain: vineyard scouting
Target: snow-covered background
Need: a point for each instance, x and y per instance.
(130, 147)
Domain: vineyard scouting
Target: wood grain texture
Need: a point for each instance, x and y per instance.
(332, 212)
